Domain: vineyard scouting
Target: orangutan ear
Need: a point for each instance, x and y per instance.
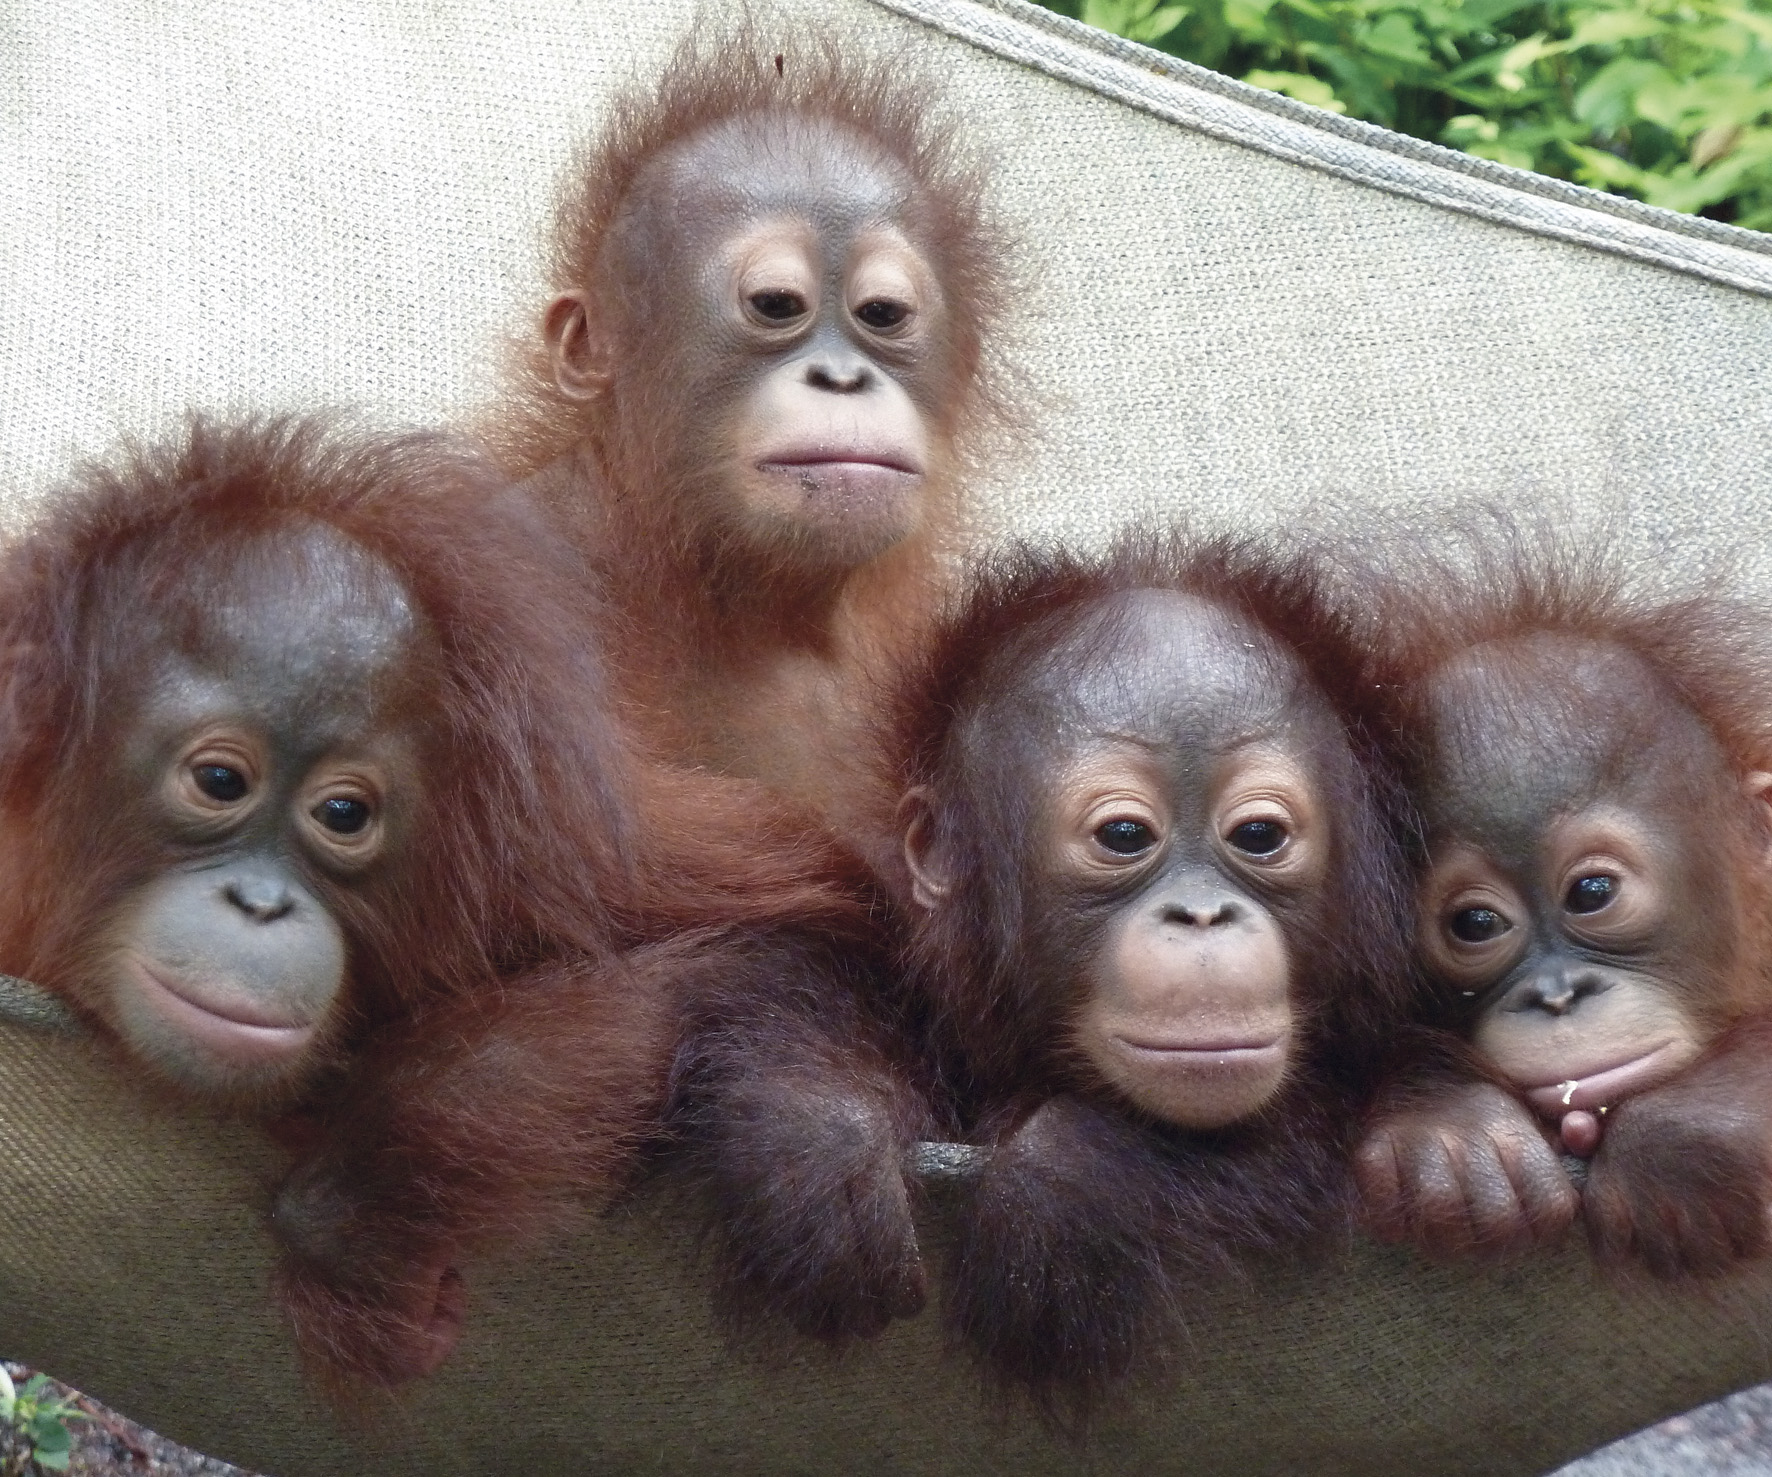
(1757, 786)
(931, 880)
(579, 353)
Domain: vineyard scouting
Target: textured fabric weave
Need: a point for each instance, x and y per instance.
(1242, 309)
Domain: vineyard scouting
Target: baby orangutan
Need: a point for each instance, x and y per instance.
(1160, 932)
(1592, 776)
(314, 804)
(769, 369)
(311, 803)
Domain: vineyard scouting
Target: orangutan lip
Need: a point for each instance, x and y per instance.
(265, 1028)
(791, 460)
(1609, 1084)
(1230, 1047)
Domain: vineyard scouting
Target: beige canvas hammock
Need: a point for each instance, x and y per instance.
(1243, 309)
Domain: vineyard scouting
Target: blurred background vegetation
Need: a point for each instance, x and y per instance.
(1668, 101)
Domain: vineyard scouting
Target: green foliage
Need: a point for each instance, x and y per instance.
(39, 1420)
(1669, 101)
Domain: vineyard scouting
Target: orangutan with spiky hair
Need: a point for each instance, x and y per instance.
(771, 364)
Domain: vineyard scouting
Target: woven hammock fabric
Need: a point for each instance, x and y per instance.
(1242, 309)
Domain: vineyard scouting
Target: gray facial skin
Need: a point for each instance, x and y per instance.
(1585, 828)
(783, 252)
(1181, 807)
(271, 751)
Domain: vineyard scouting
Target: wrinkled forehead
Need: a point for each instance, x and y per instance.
(1168, 669)
(1524, 729)
(765, 164)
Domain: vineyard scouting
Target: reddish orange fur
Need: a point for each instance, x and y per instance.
(516, 981)
(698, 622)
(1682, 1174)
(485, 890)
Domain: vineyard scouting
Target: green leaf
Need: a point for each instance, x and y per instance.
(1301, 85)
(1665, 100)
(1478, 66)
(33, 1387)
(1357, 83)
(1483, 14)
(1466, 127)
(1311, 9)
(1160, 22)
(1247, 17)
(1759, 25)
(52, 1461)
(1689, 190)
(1136, 20)
(1728, 100)
(1662, 100)
(49, 1434)
(1396, 36)
(1510, 71)
(1608, 100)
(1603, 170)
(1609, 27)
(1503, 153)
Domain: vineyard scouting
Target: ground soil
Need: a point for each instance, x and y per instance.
(106, 1443)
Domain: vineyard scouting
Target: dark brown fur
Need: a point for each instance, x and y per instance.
(797, 1104)
(1083, 1237)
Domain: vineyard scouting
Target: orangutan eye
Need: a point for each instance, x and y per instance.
(1125, 838)
(1258, 838)
(343, 816)
(1478, 925)
(778, 307)
(219, 782)
(882, 313)
(1590, 894)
